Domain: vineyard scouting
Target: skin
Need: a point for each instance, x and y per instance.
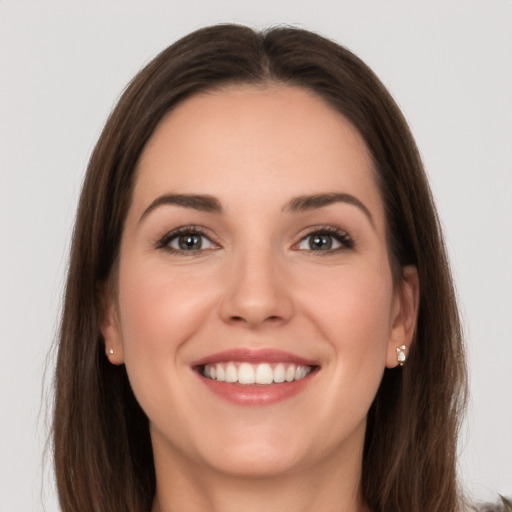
(256, 283)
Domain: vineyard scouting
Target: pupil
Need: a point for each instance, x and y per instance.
(321, 242)
(190, 242)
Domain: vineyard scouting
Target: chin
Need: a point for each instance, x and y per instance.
(255, 464)
(256, 456)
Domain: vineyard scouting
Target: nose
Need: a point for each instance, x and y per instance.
(257, 291)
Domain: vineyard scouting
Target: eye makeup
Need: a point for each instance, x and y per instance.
(186, 240)
(191, 240)
(326, 239)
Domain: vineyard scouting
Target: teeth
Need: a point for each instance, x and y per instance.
(279, 373)
(246, 374)
(221, 374)
(231, 373)
(290, 373)
(300, 373)
(262, 373)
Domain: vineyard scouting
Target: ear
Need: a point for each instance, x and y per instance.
(110, 328)
(404, 315)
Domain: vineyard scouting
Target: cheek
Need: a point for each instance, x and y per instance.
(352, 312)
(160, 312)
(352, 300)
(160, 309)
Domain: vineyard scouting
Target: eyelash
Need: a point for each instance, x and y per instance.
(342, 237)
(164, 242)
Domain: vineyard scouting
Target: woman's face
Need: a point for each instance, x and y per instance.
(255, 308)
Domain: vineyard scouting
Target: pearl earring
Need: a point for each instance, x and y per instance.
(111, 351)
(400, 355)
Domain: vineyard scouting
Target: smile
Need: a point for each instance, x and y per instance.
(248, 377)
(250, 373)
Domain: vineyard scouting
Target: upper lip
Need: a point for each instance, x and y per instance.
(254, 356)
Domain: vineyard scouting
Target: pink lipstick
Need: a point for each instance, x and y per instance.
(255, 377)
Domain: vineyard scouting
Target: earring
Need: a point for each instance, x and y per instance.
(111, 351)
(400, 355)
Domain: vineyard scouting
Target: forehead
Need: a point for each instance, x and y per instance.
(263, 142)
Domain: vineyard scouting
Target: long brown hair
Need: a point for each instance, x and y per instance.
(102, 448)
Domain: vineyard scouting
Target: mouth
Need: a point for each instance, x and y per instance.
(249, 377)
(264, 374)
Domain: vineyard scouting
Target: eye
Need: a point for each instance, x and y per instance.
(186, 239)
(190, 242)
(326, 240)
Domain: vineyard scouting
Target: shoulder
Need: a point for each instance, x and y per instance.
(504, 505)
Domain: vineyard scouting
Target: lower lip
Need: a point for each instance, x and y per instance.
(254, 394)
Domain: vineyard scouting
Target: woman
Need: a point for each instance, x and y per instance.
(259, 310)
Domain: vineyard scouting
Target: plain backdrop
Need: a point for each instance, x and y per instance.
(62, 66)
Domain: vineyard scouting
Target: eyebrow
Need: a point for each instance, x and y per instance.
(312, 202)
(203, 203)
(211, 204)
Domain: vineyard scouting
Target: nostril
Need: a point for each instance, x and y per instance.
(238, 319)
(242, 321)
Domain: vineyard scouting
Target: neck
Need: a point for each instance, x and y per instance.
(329, 486)
(283, 494)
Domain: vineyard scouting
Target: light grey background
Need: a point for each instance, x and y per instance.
(62, 66)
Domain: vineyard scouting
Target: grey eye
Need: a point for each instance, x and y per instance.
(190, 242)
(319, 242)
